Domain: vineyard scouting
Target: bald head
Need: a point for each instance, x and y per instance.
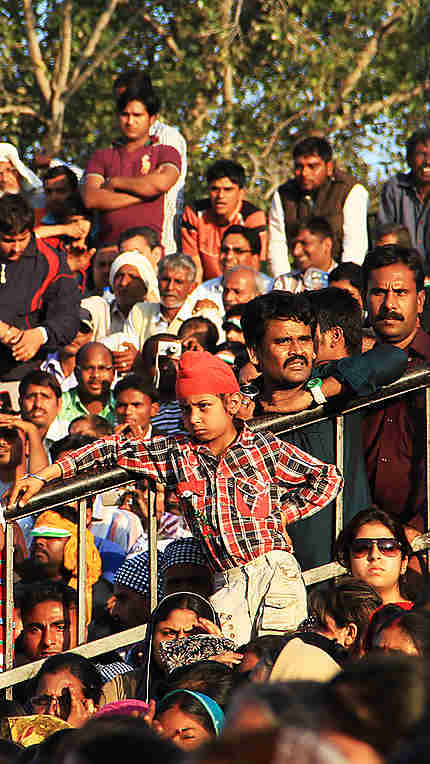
(94, 370)
(239, 286)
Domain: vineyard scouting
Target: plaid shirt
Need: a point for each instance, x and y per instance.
(234, 502)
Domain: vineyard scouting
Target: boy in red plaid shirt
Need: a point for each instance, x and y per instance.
(239, 491)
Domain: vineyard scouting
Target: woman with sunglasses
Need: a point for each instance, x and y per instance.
(374, 548)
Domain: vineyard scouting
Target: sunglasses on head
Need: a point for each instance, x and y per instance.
(362, 546)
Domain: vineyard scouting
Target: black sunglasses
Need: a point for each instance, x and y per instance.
(362, 546)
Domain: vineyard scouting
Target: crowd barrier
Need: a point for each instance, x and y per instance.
(81, 488)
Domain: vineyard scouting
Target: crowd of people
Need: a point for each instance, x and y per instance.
(139, 332)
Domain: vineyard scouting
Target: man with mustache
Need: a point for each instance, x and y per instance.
(404, 197)
(394, 434)
(280, 329)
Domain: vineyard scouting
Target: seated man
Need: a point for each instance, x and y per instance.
(312, 249)
(161, 369)
(131, 591)
(184, 568)
(176, 280)
(349, 276)
(205, 221)
(49, 619)
(127, 182)
(199, 333)
(39, 308)
(136, 402)
(240, 285)
(98, 281)
(40, 400)
(92, 395)
(62, 363)
(146, 241)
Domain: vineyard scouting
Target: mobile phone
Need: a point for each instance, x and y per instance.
(5, 402)
(65, 703)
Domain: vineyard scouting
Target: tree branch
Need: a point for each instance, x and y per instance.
(102, 23)
(168, 38)
(27, 110)
(40, 71)
(66, 49)
(282, 125)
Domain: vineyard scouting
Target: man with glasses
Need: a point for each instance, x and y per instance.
(92, 395)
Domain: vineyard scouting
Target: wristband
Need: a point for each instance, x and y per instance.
(38, 477)
(314, 388)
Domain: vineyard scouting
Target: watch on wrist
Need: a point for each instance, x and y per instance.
(314, 387)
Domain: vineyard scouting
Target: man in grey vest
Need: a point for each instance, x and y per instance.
(318, 188)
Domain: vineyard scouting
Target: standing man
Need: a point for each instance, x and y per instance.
(394, 433)
(127, 182)
(318, 188)
(206, 220)
(404, 197)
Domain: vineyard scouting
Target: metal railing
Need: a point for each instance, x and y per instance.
(81, 488)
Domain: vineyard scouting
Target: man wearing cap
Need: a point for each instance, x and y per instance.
(185, 568)
(239, 489)
(131, 590)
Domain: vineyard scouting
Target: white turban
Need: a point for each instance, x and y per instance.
(8, 153)
(142, 265)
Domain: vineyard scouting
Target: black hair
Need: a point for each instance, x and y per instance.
(126, 78)
(272, 643)
(11, 436)
(210, 677)
(401, 232)
(371, 514)
(337, 307)
(99, 424)
(69, 443)
(205, 331)
(80, 667)
(274, 305)
(419, 136)
(313, 145)
(316, 225)
(415, 623)
(140, 89)
(249, 234)
(41, 378)
(391, 254)
(57, 172)
(183, 601)
(236, 348)
(348, 272)
(136, 382)
(16, 215)
(226, 168)
(189, 705)
(152, 238)
(33, 594)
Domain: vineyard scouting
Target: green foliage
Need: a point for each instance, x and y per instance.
(244, 78)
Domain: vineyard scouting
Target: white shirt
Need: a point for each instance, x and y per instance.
(354, 231)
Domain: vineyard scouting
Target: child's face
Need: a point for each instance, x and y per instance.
(206, 417)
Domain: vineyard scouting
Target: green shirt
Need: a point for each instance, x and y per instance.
(72, 407)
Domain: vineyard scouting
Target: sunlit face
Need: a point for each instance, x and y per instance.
(239, 287)
(49, 554)
(394, 303)
(9, 454)
(175, 286)
(379, 570)
(135, 122)
(40, 405)
(287, 353)
(49, 628)
(57, 190)
(135, 408)
(310, 249)
(131, 607)
(178, 625)
(420, 163)
(345, 284)
(9, 178)
(101, 264)
(13, 245)
(140, 244)
(128, 287)
(225, 197)
(53, 685)
(206, 418)
(311, 172)
(183, 729)
(394, 638)
(95, 373)
(235, 250)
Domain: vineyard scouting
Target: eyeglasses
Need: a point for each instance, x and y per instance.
(44, 702)
(362, 546)
(236, 250)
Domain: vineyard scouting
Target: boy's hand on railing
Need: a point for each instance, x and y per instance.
(24, 490)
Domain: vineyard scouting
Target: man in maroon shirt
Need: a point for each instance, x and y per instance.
(127, 182)
(394, 433)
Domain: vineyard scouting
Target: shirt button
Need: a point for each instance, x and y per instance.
(383, 459)
(390, 420)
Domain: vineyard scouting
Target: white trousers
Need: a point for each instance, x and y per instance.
(265, 596)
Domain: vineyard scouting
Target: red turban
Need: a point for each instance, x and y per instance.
(201, 372)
